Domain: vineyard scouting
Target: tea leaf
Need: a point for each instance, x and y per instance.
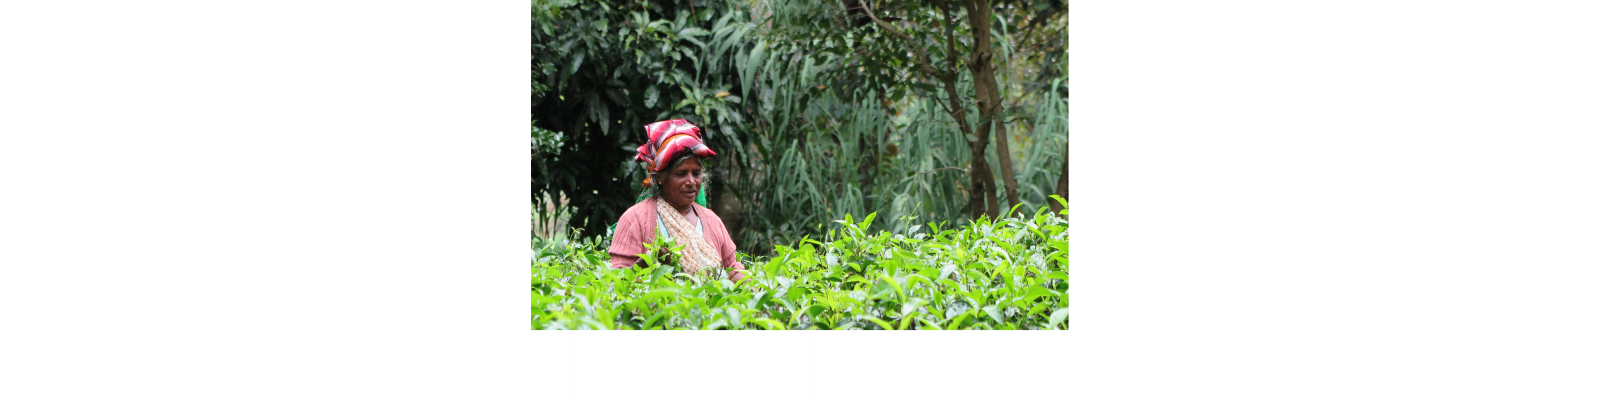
(994, 312)
(885, 324)
(1057, 317)
(1013, 270)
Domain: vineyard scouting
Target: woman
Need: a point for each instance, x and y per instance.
(672, 162)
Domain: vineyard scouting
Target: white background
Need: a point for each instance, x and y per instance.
(323, 199)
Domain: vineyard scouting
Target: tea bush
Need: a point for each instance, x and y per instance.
(1006, 274)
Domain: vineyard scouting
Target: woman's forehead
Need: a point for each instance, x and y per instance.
(688, 163)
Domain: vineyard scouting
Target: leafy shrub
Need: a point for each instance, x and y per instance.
(1006, 274)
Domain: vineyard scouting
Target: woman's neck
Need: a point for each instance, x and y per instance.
(681, 210)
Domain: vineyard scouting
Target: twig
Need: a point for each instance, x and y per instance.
(925, 69)
(1019, 45)
(941, 105)
(1035, 23)
(875, 19)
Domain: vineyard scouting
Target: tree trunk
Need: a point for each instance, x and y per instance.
(1003, 148)
(983, 182)
(980, 164)
(1061, 183)
(981, 195)
(988, 91)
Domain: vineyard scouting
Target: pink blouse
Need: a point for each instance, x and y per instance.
(638, 226)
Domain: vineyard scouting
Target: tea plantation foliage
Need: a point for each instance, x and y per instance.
(1006, 274)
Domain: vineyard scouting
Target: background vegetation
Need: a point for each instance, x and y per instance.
(817, 109)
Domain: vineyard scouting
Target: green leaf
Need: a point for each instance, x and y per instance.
(885, 324)
(733, 316)
(1063, 202)
(572, 67)
(994, 312)
(1036, 309)
(756, 60)
(770, 323)
(1058, 316)
(956, 324)
(650, 95)
(1035, 292)
(896, 285)
(693, 31)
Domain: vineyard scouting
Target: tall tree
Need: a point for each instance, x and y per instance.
(888, 55)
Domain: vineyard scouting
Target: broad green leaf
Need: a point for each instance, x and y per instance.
(1035, 292)
(885, 324)
(1063, 202)
(994, 312)
(572, 67)
(1037, 308)
(956, 324)
(905, 321)
(892, 283)
(770, 323)
(651, 93)
(757, 59)
(1058, 316)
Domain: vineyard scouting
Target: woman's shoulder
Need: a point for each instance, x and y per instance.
(643, 210)
(706, 214)
(716, 232)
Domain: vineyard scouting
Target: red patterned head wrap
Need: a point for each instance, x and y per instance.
(668, 139)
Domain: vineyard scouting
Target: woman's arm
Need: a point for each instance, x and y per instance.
(724, 244)
(626, 244)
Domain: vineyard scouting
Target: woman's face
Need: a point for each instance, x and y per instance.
(682, 183)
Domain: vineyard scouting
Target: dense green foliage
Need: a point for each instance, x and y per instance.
(601, 71)
(1008, 274)
(812, 112)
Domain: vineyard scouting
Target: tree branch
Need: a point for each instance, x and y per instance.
(924, 67)
(880, 22)
(1035, 23)
(950, 38)
(941, 105)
